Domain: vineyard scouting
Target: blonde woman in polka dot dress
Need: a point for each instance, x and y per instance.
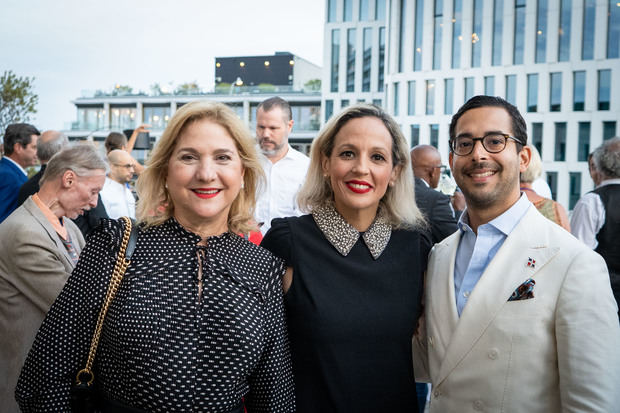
(355, 268)
(198, 321)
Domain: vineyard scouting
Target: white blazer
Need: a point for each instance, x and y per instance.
(556, 352)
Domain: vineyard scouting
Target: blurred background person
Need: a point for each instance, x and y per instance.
(50, 142)
(115, 195)
(116, 140)
(547, 207)
(20, 152)
(355, 269)
(198, 321)
(596, 216)
(427, 169)
(40, 247)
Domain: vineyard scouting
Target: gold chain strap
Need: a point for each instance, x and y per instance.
(117, 275)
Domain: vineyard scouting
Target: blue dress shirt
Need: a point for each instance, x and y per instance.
(474, 253)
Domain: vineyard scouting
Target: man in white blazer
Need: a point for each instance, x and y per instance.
(519, 315)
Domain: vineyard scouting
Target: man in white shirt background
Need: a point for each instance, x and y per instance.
(116, 195)
(285, 168)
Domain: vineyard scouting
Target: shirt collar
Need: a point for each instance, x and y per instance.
(16, 164)
(613, 181)
(343, 236)
(506, 221)
(56, 222)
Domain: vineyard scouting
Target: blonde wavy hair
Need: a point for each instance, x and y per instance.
(398, 203)
(155, 205)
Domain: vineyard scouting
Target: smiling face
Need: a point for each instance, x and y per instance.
(360, 167)
(489, 181)
(205, 174)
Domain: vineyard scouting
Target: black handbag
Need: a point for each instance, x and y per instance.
(84, 397)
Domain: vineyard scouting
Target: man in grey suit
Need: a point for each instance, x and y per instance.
(40, 247)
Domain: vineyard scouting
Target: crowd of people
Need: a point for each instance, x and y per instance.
(263, 280)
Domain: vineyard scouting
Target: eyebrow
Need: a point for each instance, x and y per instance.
(470, 135)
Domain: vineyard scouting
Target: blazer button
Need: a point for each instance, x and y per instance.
(478, 405)
(436, 393)
(493, 353)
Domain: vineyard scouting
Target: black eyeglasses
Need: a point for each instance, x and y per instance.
(491, 142)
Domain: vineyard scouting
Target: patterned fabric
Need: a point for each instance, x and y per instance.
(68, 243)
(548, 208)
(169, 343)
(524, 291)
(343, 236)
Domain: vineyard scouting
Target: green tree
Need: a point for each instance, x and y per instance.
(313, 85)
(189, 88)
(17, 99)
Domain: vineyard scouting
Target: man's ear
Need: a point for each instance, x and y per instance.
(450, 157)
(68, 178)
(289, 125)
(525, 156)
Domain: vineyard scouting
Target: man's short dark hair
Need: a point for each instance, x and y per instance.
(276, 101)
(519, 127)
(115, 140)
(18, 133)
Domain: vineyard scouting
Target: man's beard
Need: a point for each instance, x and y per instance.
(269, 153)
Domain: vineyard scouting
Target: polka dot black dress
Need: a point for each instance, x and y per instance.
(176, 338)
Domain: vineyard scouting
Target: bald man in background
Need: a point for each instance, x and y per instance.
(427, 167)
(116, 195)
(50, 142)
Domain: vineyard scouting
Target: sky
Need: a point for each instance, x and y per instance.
(74, 47)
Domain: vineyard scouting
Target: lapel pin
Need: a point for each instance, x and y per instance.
(531, 262)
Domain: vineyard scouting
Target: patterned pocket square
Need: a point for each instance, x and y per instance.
(523, 292)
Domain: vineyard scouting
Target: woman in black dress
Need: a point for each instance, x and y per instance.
(355, 269)
(197, 324)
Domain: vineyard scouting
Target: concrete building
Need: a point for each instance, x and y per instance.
(556, 60)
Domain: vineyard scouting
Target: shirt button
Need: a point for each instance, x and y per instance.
(466, 294)
(478, 405)
(493, 353)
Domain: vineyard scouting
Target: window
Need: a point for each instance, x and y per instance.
(476, 46)
(122, 117)
(419, 30)
(344, 103)
(566, 9)
(511, 89)
(351, 60)
(90, 118)
(396, 99)
(415, 135)
(348, 10)
(306, 117)
(158, 116)
(377, 102)
(519, 31)
(532, 92)
(430, 97)
(560, 142)
(489, 85)
(583, 146)
(335, 59)
(449, 97)
(329, 109)
(380, 10)
(469, 88)
(498, 27)
(552, 181)
(541, 31)
(381, 58)
(555, 99)
(411, 97)
(537, 130)
(366, 59)
(579, 90)
(457, 32)
(401, 35)
(437, 30)
(604, 89)
(364, 10)
(589, 22)
(331, 10)
(575, 189)
(434, 135)
(613, 30)
(609, 130)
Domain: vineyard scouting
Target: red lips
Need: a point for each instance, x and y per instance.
(205, 193)
(359, 187)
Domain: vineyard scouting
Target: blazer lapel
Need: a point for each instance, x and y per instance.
(508, 269)
(51, 232)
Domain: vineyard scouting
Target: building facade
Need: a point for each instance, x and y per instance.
(556, 60)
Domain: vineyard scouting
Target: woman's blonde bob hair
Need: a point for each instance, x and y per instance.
(398, 203)
(155, 205)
